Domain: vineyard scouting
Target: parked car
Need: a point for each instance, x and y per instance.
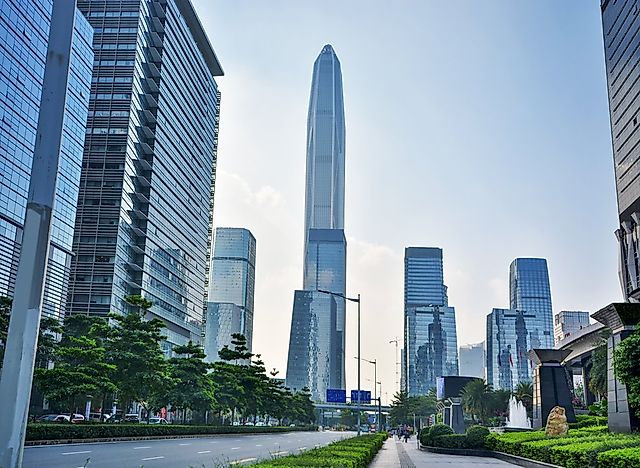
(96, 417)
(77, 418)
(46, 418)
(130, 418)
(157, 420)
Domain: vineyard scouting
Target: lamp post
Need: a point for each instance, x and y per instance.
(352, 299)
(397, 362)
(375, 381)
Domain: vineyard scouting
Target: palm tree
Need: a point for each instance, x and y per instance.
(524, 394)
(476, 399)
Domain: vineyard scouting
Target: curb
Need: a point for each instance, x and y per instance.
(516, 460)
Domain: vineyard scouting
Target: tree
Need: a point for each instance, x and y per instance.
(5, 313)
(399, 412)
(142, 372)
(302, 409)
(627, 368)
(499, 402)
(524, 394)
(598, 373)
(192, 387)
(476, 399)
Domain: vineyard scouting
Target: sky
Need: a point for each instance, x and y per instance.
(480, 127)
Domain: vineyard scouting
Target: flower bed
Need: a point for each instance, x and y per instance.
(37, 432)
(356, 452)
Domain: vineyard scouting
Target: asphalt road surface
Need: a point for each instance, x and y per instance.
(208, 452)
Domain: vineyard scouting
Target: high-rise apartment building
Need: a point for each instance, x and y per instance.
(324, 242)
(430, 341)
(144, 219)
(529, 290)
(232, 286)
(567, 322)
(24, 30)
(472, 360)
(620, 24)
(510, 335)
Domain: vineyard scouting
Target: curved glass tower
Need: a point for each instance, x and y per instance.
(321, 340)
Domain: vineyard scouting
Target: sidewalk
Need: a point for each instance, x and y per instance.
(407, 455)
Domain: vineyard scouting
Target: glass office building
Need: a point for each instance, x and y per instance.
(312, 343)
(620, 24)
(567, 322)
(233, 274)
(144, 219)
(324, 241)
(529, 290)
(510, 335)
(472, 360)
(430, 340)
(24, 31)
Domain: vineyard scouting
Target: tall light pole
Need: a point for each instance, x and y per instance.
(19, 357)
(397, 363)
(351, 299)
(375, 382)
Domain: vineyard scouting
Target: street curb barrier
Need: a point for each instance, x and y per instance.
(520, 461)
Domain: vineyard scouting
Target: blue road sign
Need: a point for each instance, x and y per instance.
(365, 397)
(336, 395)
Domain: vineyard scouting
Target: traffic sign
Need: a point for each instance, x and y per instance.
(365, 396)
(336, 395)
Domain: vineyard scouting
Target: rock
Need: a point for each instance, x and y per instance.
(557, 422)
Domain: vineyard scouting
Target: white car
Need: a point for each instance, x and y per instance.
(66, 418)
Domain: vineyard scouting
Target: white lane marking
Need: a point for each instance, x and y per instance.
(189, 444)
(151, 458)
(204, 451)
(276, 443)
(213, 442)
(244, 460)
(235, 448)
(280, 453)
(258, 445)
(302, 448)
(74, 453)
(139, 448)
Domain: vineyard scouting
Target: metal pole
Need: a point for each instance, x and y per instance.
(375, 387)
(359, 361)
(19, 357)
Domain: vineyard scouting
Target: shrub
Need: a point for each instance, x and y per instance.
(620, 458)
(436, 430)
(476, 436)
(511, 441)
(585, 420)
(539, 449)
(454, 441)
(106, 431)
(584, 454)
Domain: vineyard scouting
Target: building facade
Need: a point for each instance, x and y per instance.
(567, 322)
(430, 339)
(620, 23)
(472, 360)
(232, 283)
(510, 335)
(144, 219)
(529, 290)
(24, 30)
(324, 242)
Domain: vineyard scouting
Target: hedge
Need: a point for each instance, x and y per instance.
(474, 438)
(586, 420)
(106, 431)
(585, 454)
(539, 449)
(356, 452)
(620, 458)
(437, 430)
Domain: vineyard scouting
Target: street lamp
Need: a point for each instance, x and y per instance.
(351, 299)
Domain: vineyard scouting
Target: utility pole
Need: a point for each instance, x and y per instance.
(397, 364)
(19, 357)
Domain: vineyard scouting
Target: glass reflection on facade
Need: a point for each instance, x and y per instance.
(232, 282)
(324, 242)
(620, 24)
(510, 335)
(144, 220)
(529, 290)
(312, 343)
(472, 360)
(221, 321)
(567, 322)
(24, 30)
(430, 339)
(432, 346)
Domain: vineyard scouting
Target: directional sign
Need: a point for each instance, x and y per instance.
(365, 396)
(336, 395)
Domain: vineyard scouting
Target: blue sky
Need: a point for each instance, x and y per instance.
(478, 127)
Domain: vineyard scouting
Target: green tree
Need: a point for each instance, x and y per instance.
(191, 384)
(276, 397)
(301, 408)
(476, 399)
(5, 314)
(142, 371)
(499, 402)
(399, 412)
(598, 373)
(627, 367)
(524, 394)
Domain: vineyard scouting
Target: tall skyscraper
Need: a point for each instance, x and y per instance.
(430, 341)
(324, 242)
(144, 220)
(510, 335)
(620, 24)
(472, 360)
(529, 290)
(232, 286)
(24, 30)
(567, 322)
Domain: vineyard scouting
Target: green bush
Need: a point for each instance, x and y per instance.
(585, 454)
(356, 452)
(511, 441)
(434, 431)
(454, 441)
(585, 420)
(106, 431)
(539, 449)
(476, 436)
(620, 458)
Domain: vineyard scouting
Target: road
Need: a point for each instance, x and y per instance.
(207, 452)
